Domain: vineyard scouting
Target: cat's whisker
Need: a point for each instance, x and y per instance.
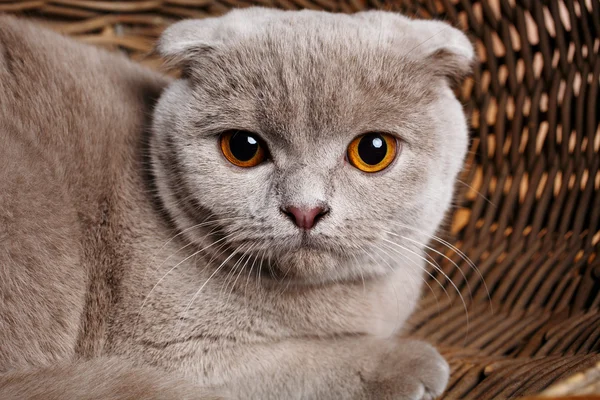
(423, 279)
(171, 256)
(171, 270)
(249, 254)
(286, 272)
(284, 288)
(411, 279)
(200, 225)
(161, 249)
(189, 305)
(443, 273)
(222, 249)
(198, 251)
(477, 192)
(441, 254)
(260, 268)
(249, 276)
(422, 269)
(269, 265)
(393, 285)
(362, 276)
(234, 269)
(287, 285)
(231, 273)
(207, 223)
(460, 254)
(470, 263)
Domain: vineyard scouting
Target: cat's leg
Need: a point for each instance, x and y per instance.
(350, 368)
(98, 379)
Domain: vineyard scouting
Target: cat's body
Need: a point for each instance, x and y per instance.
(99, 257)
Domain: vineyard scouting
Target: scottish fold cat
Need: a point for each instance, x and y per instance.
(252, 230)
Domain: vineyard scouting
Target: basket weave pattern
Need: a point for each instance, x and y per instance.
(528, 213)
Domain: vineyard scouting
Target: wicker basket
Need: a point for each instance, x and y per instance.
(529, 199)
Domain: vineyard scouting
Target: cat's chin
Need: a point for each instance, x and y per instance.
(307, 265)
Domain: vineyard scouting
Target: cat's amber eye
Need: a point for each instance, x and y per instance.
(372, 152)
(242, 148)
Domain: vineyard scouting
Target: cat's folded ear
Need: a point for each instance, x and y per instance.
(439, 47)
(446, 50)
(184, 42)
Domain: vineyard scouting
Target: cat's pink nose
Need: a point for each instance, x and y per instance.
(305, 218)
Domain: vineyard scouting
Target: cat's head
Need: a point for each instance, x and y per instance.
(325, 146)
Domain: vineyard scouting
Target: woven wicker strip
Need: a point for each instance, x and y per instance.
(528, 213)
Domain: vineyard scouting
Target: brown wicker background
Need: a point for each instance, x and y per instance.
(529, 202)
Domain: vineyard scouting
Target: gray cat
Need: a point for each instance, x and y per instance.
(256, 233)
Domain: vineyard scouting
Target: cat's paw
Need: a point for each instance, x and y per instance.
(409, 370)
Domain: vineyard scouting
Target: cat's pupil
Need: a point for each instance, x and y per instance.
(372, 148)
(243, 146)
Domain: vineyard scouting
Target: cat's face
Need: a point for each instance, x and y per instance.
(302, 88)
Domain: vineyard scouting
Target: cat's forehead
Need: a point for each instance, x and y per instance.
(312, 86)
(306, 74)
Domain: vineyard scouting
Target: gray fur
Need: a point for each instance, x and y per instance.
(171, 258)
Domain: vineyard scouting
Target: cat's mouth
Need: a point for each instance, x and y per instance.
(310, 242)
(306, 257)
(306, 242)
